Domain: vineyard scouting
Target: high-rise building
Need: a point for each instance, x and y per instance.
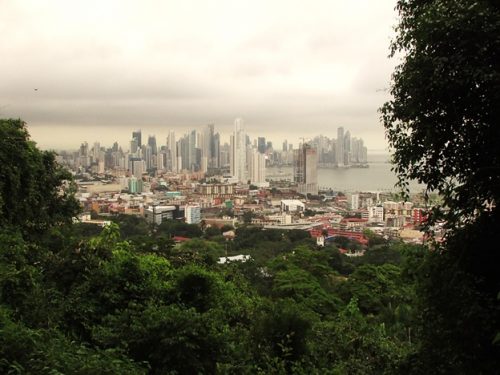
(96, 150)
(216, 151)
(225, 155)
(207, 148)
(183, 153)
(152, 144)
(137, 167)
(347, 148)
(194, 163)
(135, 185)
(261, 144)
(83, 159)
(340, 147)
(147, 156)
(358, 151)
(355, 201)
(238, 152)
(160, 160)
(192, 214)
(305, 169)
(138, 136)
(172, 151)
(257, 168)
(134, 146)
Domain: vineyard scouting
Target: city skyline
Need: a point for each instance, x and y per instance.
(243, 160)
(170, 138)
(285, 68)
(209, 141)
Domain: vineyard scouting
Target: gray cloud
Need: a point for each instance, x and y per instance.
(103, 68)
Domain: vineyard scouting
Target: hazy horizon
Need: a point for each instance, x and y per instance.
(98, 70)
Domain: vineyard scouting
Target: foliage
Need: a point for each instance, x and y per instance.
(197, 251)
(460, 311)
(35, 192)
(212, 232)
(283, 330)
(132, 226)
(373, 238)
(124, 300)
(43, 351)
(375, 287)
(351, 345)
(179, 228)
(442, 122)
(381, 254)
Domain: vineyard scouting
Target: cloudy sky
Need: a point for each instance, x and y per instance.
(103, 68)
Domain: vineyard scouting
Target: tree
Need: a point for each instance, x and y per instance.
(179, 228)
(132, 226)
(443, 126)
(350, 345)
(442, 122)
(35, 192)
(248, 216)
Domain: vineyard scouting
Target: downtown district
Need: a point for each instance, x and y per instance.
(200, 180)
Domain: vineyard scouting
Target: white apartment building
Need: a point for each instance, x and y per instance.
(376, 214)
(192, 213)
(238, 155)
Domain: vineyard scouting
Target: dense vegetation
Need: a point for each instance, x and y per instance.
(125, 299)
(443, 126)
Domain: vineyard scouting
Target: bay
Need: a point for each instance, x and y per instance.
(377, 177)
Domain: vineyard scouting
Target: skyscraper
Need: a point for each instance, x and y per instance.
(138, 136)
(347, 148)
(207, 147)
(216, 151)
(285, 145)
(305, 169)
(172, 151)
(238, 151)
(183, 153)
(261, 144)
(339, 152)
(134, 146)
(152, 144)
(257, 168)
(193, 160)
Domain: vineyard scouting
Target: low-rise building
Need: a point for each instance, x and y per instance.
(292, 205)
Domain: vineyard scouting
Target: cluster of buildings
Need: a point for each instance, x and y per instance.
(344, 151)
(240, 160)
(217, 202)
(198, 180)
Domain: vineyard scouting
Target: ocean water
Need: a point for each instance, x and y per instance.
(377, 177)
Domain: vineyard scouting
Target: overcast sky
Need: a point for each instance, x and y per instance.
(104, 68)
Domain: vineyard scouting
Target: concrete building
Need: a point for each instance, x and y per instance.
(137, 167)
(354, 201)
(138, 136)
(257, 168)
(158, 214)
(376, 214)
(305, 169)
(135, 185)
(339, 151)
(238, 162)
(192, 213)
(172, 152)
(292, 205)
